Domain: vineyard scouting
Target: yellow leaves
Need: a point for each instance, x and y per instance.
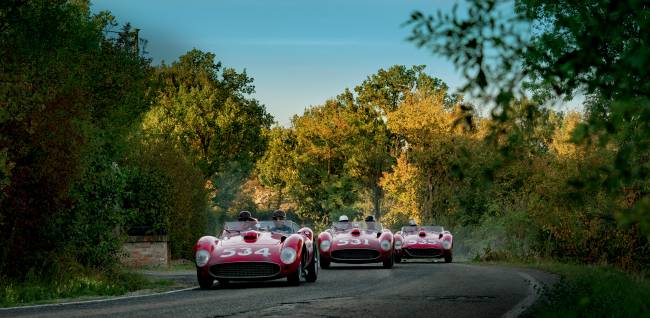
(421, 117)
(400, 189)
(562, 143)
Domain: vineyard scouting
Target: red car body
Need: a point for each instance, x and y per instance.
(423, 242)
(252, 251)
(356, 243)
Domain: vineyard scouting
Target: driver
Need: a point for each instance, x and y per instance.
(344, 223)
(412, 227)
(370, 222)
(278, 222)
(248, 221)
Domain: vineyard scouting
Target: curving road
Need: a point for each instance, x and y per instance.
(414, 289)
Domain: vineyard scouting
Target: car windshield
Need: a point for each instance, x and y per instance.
(417, 228)
(368, 226)
(280, 226)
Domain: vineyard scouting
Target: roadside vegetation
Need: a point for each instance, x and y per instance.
(96, 141)
(593, 291)
(80, 286)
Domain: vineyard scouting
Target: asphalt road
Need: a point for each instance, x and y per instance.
(421, 289)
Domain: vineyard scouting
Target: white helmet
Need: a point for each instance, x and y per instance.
(343, 218)
(412, 223)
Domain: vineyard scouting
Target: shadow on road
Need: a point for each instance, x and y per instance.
(246, 285)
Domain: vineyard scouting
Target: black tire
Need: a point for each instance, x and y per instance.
(325, 264)
(389, 262)
(205, 282)
(448, 258)
(398, 259)
(312, 269)
(295, 277)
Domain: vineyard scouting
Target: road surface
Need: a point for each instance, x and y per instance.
(414, 289)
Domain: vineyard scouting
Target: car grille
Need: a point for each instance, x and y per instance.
(423, 252)
(355, 254)
(245, 270)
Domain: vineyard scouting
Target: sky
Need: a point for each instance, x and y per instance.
(300, 52)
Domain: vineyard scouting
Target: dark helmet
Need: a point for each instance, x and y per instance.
(245, 216)
(279, 215)
(370, 218)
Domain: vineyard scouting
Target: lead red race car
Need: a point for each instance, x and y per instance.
(356, 243)
(415, 241)
(257, 250)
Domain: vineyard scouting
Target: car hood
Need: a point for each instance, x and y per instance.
(431, 240)
(346, 240)
(262, 239)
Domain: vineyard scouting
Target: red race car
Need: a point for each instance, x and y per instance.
(423, 242)
(257, 250)
(356, 243)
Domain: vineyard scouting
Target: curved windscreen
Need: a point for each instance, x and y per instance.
(367, 226)
(418, 228)
(280, 226)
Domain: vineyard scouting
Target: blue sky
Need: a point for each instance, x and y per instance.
(300, 52)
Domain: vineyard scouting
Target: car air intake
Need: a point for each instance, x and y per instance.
(423, 234)
(423, 252)
(355, 254)
(245, 270)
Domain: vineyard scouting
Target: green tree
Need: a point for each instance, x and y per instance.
(203, 109)
(69, 98)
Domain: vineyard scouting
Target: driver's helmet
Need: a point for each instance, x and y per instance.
(370, 218)
(246, 216)
(412, 223)
(343, 218)
(279, 215)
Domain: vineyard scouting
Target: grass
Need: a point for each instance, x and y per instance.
(171, 268)
(594, 291)
(591, 291)
(38, 290)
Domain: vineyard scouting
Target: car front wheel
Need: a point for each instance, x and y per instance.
(312, 269)
(205, 282)
(295, 277)
(388, 263)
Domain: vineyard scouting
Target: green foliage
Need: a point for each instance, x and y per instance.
(594, 291)
(70, 96)
(36, 290)
(594, 184)
(203, 110)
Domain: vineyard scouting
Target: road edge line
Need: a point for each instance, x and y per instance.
(534, 288)
(95, 300)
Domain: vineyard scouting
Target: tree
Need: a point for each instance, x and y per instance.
(204, 110)
(70, 97)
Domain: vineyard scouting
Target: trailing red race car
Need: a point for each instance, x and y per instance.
(423, 242)
(356, 243)
(252, 250)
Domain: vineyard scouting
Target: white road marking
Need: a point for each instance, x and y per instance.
(96, 300)
(534, 288)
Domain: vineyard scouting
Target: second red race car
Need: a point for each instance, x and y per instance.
(415, 241)
(252, 250)
(356, 243)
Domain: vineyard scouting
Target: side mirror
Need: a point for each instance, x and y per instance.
(440, 236)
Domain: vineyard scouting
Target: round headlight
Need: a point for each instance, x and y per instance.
(385, 245)
(325, 245)
(202, 257)
(398, 244)
(446, 245)
(288, 255)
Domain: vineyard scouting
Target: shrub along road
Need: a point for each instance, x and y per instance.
(421, 289)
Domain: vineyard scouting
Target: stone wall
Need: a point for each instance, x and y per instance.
(147, 250)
